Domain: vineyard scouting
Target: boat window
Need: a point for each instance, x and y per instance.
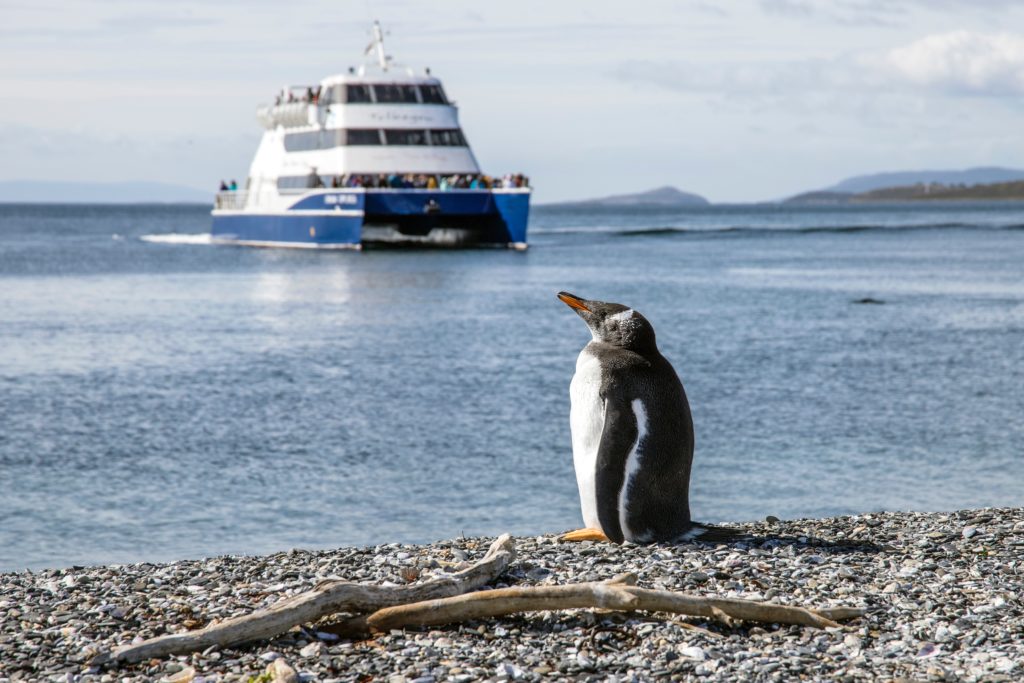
(389, 94)
(326, 139)
(315, 139)
(362, 136)
(356, 93)
(298, 182)
(447, 138)
(432, 94)
(400, 136)
(332, 95)
(302, 142)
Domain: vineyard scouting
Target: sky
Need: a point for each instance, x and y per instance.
(744, 100)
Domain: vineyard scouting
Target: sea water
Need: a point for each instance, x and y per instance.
(163, 398)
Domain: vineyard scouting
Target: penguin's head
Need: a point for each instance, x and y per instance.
(613, 324)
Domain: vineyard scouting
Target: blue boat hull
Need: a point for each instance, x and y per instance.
(349, 218)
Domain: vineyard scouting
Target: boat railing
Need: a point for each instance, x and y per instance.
(232, 199)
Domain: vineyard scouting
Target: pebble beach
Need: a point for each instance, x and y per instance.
(942, 590)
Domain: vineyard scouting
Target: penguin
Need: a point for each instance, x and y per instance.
(632, 433)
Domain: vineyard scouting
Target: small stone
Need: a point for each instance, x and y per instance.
(969, 532)
(312, 650)
(510, 670)
(281, 672)
(184, 676)
(693, 652)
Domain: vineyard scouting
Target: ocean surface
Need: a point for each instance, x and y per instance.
(162, 398)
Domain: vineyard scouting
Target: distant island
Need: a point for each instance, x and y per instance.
(982, 175)
(64, 192)
(973, 184)
(1013, 191)
(665, 197)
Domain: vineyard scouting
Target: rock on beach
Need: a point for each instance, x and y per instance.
(943, 592)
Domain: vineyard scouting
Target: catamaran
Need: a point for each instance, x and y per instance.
(374, 155)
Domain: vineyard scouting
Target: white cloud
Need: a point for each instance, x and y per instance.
(956, 63)
(963, 61)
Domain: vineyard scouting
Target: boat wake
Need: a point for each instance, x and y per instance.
(178, 238)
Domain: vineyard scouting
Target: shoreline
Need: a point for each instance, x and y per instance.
(942, 590)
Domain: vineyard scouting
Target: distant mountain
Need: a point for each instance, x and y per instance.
(970, 176)
(662, 196)
(1013, 191)
(820, 197)
(61, 192)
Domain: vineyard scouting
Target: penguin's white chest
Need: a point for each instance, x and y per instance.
(586, 422)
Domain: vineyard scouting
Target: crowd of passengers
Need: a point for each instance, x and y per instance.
(428, 182)
(312, 96)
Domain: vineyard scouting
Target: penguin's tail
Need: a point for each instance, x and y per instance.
(708, 533)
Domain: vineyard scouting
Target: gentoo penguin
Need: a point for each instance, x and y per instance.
(632, 434)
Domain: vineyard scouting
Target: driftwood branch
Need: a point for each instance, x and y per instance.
(616, 594)
(326, 598)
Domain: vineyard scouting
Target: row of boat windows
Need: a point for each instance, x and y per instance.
(338, 137)
(383, 93)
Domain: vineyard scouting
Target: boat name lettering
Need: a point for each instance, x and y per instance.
(340, 199)
(393, 116)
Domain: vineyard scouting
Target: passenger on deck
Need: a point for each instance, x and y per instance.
(445, 184)
(223, 186)
(431, 182)
(233, 186)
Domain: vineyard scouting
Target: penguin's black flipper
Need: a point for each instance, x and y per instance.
(617, 439)
(708, 533)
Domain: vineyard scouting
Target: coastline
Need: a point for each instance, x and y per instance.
(942, 590)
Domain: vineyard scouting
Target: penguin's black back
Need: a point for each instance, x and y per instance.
(657, 497)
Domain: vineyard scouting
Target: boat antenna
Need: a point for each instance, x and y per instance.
(377, 46)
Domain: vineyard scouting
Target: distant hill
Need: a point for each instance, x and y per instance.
(662, 197)
(970, 176)
(937, 191)
(61, 192)
(1011, 191)
(820, 197)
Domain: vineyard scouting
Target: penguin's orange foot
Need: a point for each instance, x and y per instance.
(584, 535)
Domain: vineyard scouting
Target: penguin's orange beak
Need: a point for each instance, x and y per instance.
(572, 301)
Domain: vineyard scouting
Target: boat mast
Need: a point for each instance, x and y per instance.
(378, 46)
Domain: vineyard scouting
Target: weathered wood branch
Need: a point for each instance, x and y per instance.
(326, 598)
(613, 595)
